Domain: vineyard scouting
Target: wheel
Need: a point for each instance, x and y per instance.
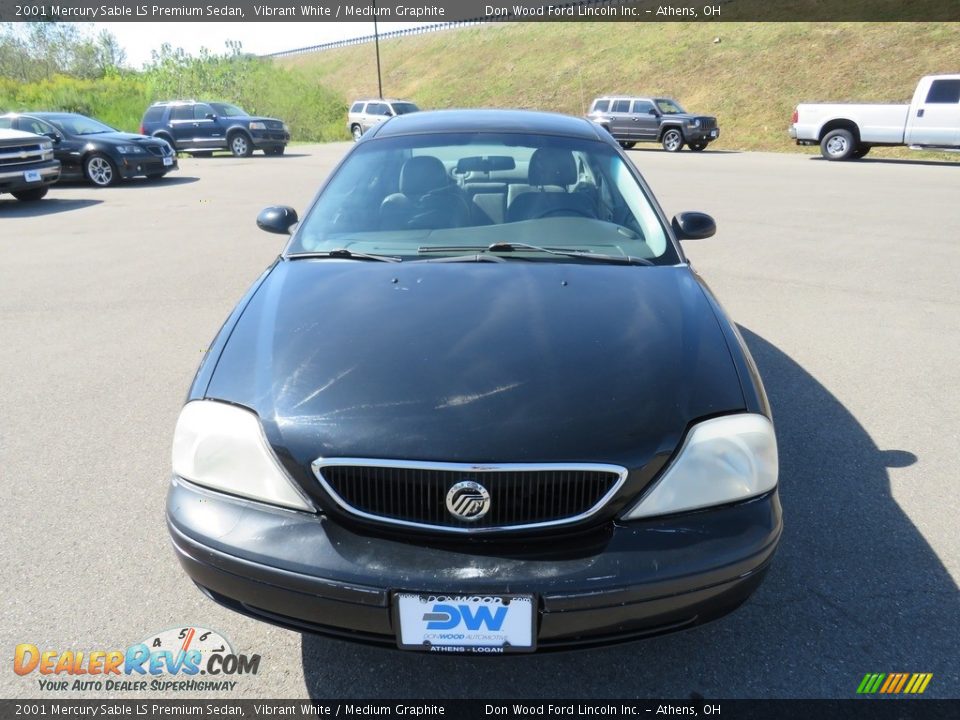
(240, 145)
(274, 150)
(356, 131)
(31, 195)
(202, 153)
(100, 170)
(627, 145)
(156, 175)
(697, 147)
(860, 151)
(838, 145)
(672, 140)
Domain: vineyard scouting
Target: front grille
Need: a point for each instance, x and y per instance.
(22, 154)
(274, 125)
(708, 123)
(520, 496)
(157, 150)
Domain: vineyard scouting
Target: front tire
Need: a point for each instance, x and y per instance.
(356, 131)
(697, 147)
(672, 140)
(155, 175)
(274, 150)
(838, 145)
(202, 153)
(627, 145)
(240, 145)
(31, 195)
(100, 170)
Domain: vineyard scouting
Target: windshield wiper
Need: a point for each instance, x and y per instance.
(514, 246)
(344, 253)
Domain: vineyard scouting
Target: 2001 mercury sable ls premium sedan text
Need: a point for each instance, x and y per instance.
(480, 403)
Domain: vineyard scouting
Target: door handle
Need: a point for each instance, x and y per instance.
(920, 112)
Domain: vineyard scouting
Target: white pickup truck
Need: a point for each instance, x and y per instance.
(848, 130)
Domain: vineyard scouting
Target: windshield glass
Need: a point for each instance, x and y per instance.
(669, 107)
(79, 125)
(227, 110)
(402, 108)
(430, 196)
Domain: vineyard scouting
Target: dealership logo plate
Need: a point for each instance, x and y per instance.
(488, 624)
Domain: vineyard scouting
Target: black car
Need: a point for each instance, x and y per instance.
(199, 128)
(480, 403)
(653, 119)
(89, 150)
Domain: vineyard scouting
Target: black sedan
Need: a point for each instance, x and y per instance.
(89, 150)
(481, 403)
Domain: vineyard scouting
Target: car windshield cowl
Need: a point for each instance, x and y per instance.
(508, 247)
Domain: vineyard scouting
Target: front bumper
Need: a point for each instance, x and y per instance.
(135, 165)
(311, 574)
(269, 138)
(15, 180)
(698, 135)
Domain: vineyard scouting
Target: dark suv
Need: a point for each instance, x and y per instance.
(199, 128)
(633, 119)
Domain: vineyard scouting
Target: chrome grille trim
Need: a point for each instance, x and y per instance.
(320, 463)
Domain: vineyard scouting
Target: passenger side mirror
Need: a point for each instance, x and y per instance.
(694, 226)
(277, 219)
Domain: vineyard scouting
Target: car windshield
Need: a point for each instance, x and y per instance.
(228, 110)
(512, 196)
(669, 107)
(79, 125)
(402, 108)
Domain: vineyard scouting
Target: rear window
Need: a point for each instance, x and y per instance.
(944, 92)
(601, 105)
(182, 112)
(153, 114)
(356, 107)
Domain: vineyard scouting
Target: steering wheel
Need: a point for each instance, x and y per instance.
(565, 212)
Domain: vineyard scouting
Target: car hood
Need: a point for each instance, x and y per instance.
(687, 116)
(120, 138)
(477, 362)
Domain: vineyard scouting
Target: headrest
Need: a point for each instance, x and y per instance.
(422, 174)
(552, 166)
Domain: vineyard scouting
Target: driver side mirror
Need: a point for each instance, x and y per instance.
(211, 116)
(277, 219)
(54, 135)
(693, 226)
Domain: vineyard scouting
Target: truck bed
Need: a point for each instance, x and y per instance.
(878, 123)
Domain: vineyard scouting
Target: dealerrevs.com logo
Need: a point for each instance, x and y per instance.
(169, 661)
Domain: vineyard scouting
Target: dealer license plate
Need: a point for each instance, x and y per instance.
(465, 623)
(31, 175)
(713, 133)
(168, 161)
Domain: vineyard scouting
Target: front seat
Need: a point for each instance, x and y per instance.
(428, 198)
(552, 171)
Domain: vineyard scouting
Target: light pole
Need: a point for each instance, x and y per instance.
(376, 42)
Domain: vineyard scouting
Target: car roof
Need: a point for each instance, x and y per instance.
(44, 115)
(503, 121)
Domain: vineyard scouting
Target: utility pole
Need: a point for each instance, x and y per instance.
(376, 42)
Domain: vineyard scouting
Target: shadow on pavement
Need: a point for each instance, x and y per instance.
(854, 588)
(896, 161)
(48, 206)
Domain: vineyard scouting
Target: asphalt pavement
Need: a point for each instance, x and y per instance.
(842, 276)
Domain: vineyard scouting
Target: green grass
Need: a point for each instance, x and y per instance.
(751, 79)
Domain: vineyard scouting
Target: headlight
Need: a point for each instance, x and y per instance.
(694, 123)
(223, 447)
(130, 150)
(723, 460)
(46, 147)
(258, 126)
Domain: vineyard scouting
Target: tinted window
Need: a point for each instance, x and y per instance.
(601, 105)
(642, 106)
(35, 126)
(356, 107)
(201, 111)
(621, 106)
(153, 114)
(944, 91)
(228, 110)
(181, 112)
(6, 123)
(377, 109)
(404, 108)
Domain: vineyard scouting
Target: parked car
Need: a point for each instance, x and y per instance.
(364, 114)
(27, 165)
(429, 428)
(847, 131)
(632, 119)
(89, 150)
(199, 128)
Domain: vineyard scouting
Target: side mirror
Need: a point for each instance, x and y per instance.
(55, 136)
(277, 219)
(653, 111)
(211, 116)
(694, 226)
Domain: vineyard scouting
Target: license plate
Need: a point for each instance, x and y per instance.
(31, 175)
(168, 161)
(465, 623)
(713, 133)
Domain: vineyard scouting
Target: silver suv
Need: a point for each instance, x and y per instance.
(364, 114)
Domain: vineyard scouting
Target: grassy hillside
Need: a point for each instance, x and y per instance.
(751, 79)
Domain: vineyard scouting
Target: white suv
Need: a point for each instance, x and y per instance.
(364, 114)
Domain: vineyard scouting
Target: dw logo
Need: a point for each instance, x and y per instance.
(447, 617)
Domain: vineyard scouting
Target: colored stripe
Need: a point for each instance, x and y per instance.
(903, 681)
(891, 678)
(862, 688)
(913, 682)
(926, 681)
(876, 683)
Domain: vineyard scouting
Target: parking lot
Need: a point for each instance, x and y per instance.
(842, 276)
